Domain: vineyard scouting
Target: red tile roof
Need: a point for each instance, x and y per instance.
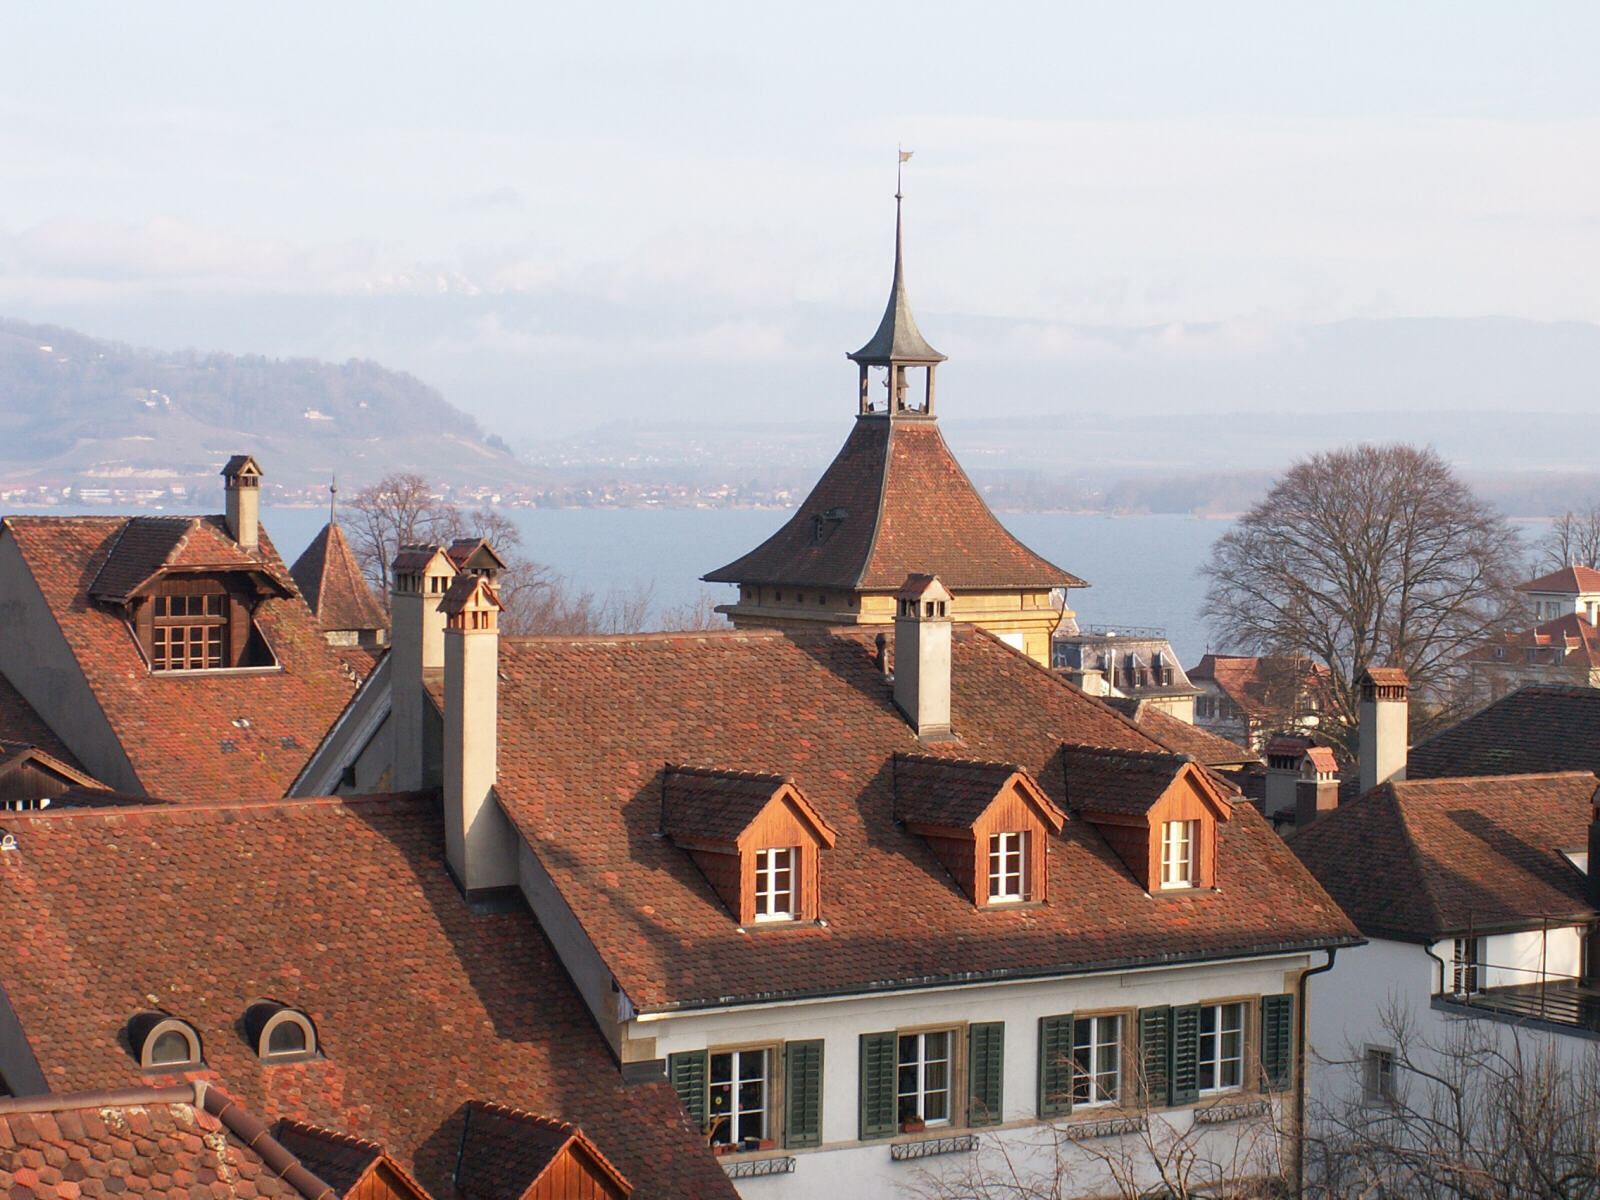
(586, 725)
(893, 503)
(151, 1143)
(1567, 640)
(1387, 676)
(146, 546)
(704, 804)
(330, 579)
(1425, 859)
(1180, 736)
(189, 735)
(505, 1151)
(1248, 680)
(21, 726)
(1128, 782)
(955, 792)
(343, 909)
(1567, 579)
(345, 1162)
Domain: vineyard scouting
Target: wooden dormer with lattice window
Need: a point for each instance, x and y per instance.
(756, 839)
(988, 823)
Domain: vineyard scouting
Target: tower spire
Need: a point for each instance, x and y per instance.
(897, 344)
(333, 500)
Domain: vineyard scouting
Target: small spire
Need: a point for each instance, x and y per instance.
(897, 341)
(333, 500)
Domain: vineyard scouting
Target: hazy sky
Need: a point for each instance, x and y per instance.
(594, 185)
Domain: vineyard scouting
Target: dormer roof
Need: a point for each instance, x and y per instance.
(505, 1152)
(1131, 783)
(700, 804)
(149, 548)
(955, 792)
(353, 1167)
(331, 581)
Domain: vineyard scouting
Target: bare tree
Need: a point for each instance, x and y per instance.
(1367, 556)
(396, 511)
(1573, 540)
(699, 614)
(1486, 1111)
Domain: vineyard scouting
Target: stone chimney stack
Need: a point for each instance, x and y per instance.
(241, 489)
(420, 576)
(1284, 754)
(1382, 732)
(479, 843)
(1317, 790)
(922, 656)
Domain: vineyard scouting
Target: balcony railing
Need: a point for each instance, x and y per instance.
(1562, 1003)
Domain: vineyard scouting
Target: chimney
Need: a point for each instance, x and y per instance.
(241, 489)
(1284, 756)
(1317, 790)
(922, 656)
(419, 576)
(480, 846)
(1382, 725)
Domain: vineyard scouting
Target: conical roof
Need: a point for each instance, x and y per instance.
(330, 579)
(898, 339)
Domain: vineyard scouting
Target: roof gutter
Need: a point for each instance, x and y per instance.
(1007, 975)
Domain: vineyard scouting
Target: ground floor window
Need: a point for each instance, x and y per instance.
(1097, 1060)
(1221, 1048)
(924, 1076)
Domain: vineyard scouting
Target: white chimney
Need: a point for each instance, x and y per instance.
(241, 489)
(922, 656)
(480, 845)
(1383, 715)
(420, 576)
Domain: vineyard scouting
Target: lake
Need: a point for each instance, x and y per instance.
(1143, 569)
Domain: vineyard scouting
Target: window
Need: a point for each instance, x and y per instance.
(189, 633)
(279, 1033)
(1221, 1048)
(1096, 1060)
(1205, 707)
(739, 1094)
(163, 1043)
(1377, 1084)
(1466, 976)
(1006, 851)
(924, 1078)
(775, 884)
(1179, 853)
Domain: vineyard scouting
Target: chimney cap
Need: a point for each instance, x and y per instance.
(469, 593)
(241, 466)
(1385, 677)
(922, 587)
(415, 558)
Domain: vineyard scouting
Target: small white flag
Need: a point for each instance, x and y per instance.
(905, 155)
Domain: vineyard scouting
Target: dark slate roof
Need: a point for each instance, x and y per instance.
(331, 582)
(341, 908)
(710, 805)
(930, 790)
(1533, 729)
(894, 503)
(586, 725)
(1425, 859)
(1118, 781)
(1182, 737)
(241, 732)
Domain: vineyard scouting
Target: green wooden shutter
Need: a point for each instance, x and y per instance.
(1155, 1054)
(1186, 1054)
(687, 1072)
(802, 1094)
(879, 1094)
(1277, 1040)
(986, 1068)
(1055, 1065)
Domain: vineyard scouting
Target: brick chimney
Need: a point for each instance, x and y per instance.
(922, 656)
(420, 576)
(480, 845)
(241, 490)
(1382, 731)
(1284, 754)
(1317, 789)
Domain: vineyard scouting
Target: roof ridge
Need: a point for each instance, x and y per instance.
(955, 761)
(878, 502)
(727, 773)
(1413, 852)
(159, 807)
(523, 1115)
(1114, 752)
(339, 1137)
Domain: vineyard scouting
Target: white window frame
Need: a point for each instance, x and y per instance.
(740, 1062)
(1005, 848)
(1378, 1070)
(920, 1068)
(1180, 855)
(1212, 1048)
(1466, 966)
(772, 902)
(1094, 1038)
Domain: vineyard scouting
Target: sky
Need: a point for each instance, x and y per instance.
(564, 213)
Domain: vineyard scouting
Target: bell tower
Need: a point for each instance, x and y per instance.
(898, 347)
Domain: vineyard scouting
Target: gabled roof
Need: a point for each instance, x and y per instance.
(21, 726)
(586, 724)
(955, 792)
(188, 735)
(474, 554)
(331, 581)
(1248, 680)
(148, 547)
(15, 756)
(1130, 782)
(1572, 580)
(240, 464)
(1424, 859)
(1180, 736)
(505, 1152)
(469, 591)
(706, 805)
(342, 908)
(1567, 640)
(341, 1160)
(894, 503)
(1533, 729)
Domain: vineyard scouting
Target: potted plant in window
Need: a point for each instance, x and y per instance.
(912, 1124)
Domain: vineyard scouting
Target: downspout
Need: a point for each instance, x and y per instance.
(1300, 1074)
(1427, 948)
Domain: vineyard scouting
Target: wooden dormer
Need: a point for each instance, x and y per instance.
(755, 837)
(988, 823)
(511, 1153)
(1160, 813)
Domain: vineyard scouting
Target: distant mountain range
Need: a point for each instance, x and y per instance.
(76, 411)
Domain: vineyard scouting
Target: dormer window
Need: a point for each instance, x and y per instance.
(161, 1042)
(1007, 853)
(189, 633)
(279, 1033)
(1179, 843)
(775, 884)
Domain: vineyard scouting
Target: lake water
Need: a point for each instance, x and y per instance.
(1143, 569)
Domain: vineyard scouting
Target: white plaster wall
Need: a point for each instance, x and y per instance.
(848, 1167)
(1520, 958)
